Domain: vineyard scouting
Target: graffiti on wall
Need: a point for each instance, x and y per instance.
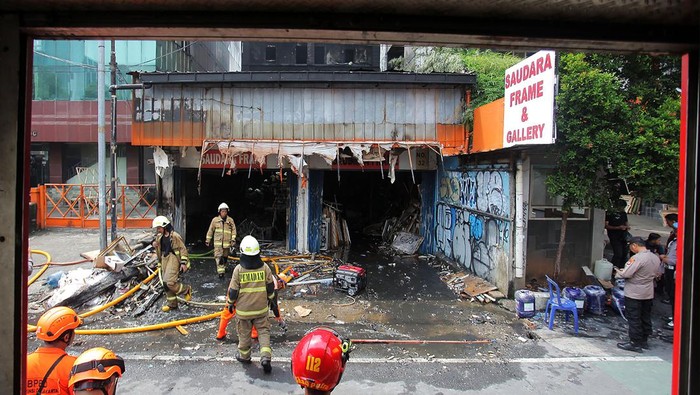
(472, 219)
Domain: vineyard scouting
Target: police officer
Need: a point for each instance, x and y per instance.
(639, 274)
(318, 361)
(96, 369)
(173, 259)
(223, 232)
(49, 366)
(250, 292)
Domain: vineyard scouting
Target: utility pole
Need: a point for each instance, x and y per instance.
(101, 186)
(113, 142)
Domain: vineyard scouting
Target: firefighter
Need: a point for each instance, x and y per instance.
(172, 259)
(96, 369)
(49, 366)
(318, 361)
(223, 232)
(249, 293)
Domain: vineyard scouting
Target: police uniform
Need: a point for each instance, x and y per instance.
(223, 233)
(639, 274)
(172, 253)
(253, 285)
(39, 362)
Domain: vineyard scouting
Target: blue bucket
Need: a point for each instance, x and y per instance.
(577, 295)
(618, 300)
(525, 303)
(595, 299)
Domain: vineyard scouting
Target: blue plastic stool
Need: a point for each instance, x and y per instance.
(556, 302)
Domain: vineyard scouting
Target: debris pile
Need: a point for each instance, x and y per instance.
(334, 228)
(471, 287)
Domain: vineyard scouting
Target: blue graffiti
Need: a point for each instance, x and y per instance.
(477, 227)
(470, 227)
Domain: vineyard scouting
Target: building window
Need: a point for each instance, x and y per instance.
(349, 55)
(270, 53)
(544, 206)
(301, 54)
(319, 54)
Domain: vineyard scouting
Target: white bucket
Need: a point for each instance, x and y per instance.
(603, 269)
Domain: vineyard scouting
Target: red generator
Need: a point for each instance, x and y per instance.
(350, 279)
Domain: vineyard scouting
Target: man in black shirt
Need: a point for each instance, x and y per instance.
(617, 226)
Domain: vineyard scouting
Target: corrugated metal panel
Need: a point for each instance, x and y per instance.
(315, 209)
(189, 114)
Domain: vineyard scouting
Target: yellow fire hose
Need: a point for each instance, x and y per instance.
(43, 269)
(119, 299)
(165, 325)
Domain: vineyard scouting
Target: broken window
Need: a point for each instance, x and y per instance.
(270, 53)
(301, 54)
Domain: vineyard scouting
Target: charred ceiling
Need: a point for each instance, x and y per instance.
(615, 25)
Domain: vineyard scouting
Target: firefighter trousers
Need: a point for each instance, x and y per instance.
(220, 256)
(170, 265)
(244, 327)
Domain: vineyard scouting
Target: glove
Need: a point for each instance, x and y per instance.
(206, 242)
(184, 267)
(230, 307)
(282, 323)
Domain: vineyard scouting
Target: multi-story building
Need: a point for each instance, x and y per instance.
(64, 106)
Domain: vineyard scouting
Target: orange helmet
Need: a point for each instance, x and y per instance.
(55, 321)
(93, 367)
(318, 361)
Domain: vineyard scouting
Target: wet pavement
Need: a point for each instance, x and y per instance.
(404, 299)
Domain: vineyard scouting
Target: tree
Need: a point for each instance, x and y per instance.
(650, 85)
(592, 119)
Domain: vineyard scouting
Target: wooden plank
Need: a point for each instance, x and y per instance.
(474, 286)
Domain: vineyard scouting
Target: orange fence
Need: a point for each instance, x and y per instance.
(77, 206)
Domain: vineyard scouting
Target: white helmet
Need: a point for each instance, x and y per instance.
(250, 246)
(160, 221)
(223, 206)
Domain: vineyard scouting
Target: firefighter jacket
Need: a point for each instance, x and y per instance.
(223, 231)
(176, 246)
(251, 288)
(39, 362)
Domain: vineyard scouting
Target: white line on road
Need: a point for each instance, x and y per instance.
(286, 359)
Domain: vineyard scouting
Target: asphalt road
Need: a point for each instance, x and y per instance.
(404, 300)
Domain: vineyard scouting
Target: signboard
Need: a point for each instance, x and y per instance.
(214, 159)
(528, 116)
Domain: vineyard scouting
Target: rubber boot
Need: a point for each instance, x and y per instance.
(223, 323)
(188, 294)
(254, 334)
(266, 363)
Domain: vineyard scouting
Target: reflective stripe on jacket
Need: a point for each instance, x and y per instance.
(251, 285)
(222, 232)
(178, 245)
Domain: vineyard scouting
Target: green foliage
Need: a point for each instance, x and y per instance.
(490, 68)
(592, 118)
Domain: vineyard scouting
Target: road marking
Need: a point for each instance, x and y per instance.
(286, 359)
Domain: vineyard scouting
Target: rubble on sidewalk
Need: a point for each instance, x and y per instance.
(470, 287)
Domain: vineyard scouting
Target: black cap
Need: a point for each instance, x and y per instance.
(637, 240)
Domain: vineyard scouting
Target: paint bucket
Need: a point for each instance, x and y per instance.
(595, 299)
(577, 295)
(525, 303)
(618, 300)
(603, 269)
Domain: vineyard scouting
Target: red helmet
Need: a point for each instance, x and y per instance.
(318, 361)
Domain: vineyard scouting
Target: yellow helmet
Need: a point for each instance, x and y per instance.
(93, 367)
(55, 321)
(160, 221)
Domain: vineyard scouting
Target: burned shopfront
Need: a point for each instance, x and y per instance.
(311, 158)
